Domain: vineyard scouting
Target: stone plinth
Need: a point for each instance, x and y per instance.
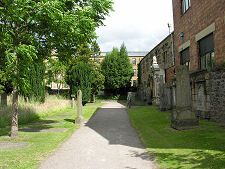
(183, 117)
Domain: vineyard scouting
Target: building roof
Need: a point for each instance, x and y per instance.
(131, 54)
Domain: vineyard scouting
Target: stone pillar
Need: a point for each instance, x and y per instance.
(72, 96)
(79, 120)
(183, 117)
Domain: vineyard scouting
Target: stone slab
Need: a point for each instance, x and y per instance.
(9, 145)
(50, 130)
(46, 123)
(59, 117)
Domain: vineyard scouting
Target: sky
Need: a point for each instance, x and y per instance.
(140, 24)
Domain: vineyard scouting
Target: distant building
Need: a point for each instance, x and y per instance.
(135, 58)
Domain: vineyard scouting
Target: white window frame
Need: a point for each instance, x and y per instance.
(185, 5)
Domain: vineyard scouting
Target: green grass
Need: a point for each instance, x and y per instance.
(203, 147)
(31, 111)
(41, 144)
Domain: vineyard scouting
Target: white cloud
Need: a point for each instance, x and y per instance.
(140, 24)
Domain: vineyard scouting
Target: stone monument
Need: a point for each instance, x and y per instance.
(79, 120)
(72, 96)
(183, 117)
(162, 95)
(132, 96)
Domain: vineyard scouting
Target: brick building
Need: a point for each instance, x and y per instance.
(199, 42)
(196, 23)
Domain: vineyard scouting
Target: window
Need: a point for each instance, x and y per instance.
(134, 83)
(185, 5)
(206, 52)
(135, 72)
(185, 57)
(134, 61)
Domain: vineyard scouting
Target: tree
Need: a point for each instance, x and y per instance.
(2, 78)
(31, 29)
(125, 68)
(80, 76)
(55, 72)
(36, 80)
(98, 81)
(86, 72)
(117, 69)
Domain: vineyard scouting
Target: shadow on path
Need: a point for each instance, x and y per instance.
(114, 125)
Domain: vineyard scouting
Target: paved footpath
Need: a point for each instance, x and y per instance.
(106, 141)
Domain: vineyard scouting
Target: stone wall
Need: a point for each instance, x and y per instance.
(158, 63)
(208, 94)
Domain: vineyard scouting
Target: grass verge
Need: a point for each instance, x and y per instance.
(41, 144)
(203, 147)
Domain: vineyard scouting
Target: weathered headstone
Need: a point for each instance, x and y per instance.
(72, 96)
(183, 117)
(132, 97)
(163, 95)
(79, 119)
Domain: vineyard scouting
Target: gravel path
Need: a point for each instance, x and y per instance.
(107, 141)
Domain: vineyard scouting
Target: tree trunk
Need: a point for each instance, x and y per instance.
(14, 125)
(4, 99)
(92, 98)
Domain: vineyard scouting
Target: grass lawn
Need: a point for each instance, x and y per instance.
(203, 147)
(41, 144)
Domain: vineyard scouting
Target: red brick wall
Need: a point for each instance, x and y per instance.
(199, 16)
(170, 74)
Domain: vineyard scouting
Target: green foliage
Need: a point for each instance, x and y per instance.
(28, 29)
(98, 79)
(2, 80)
(56, 70)
(117, 69)
(35, 76)
(80, 77)
(84, 73)
(223, 65)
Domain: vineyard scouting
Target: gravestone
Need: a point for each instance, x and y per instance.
(183, 117)
(163, 95)
(132, 96)
(201, 98)
(79, 120)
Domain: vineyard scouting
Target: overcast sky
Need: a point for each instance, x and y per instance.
(140, 24)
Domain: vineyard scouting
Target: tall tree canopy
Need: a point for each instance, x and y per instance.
(31, 29)
(117, 69)
(83, 73)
